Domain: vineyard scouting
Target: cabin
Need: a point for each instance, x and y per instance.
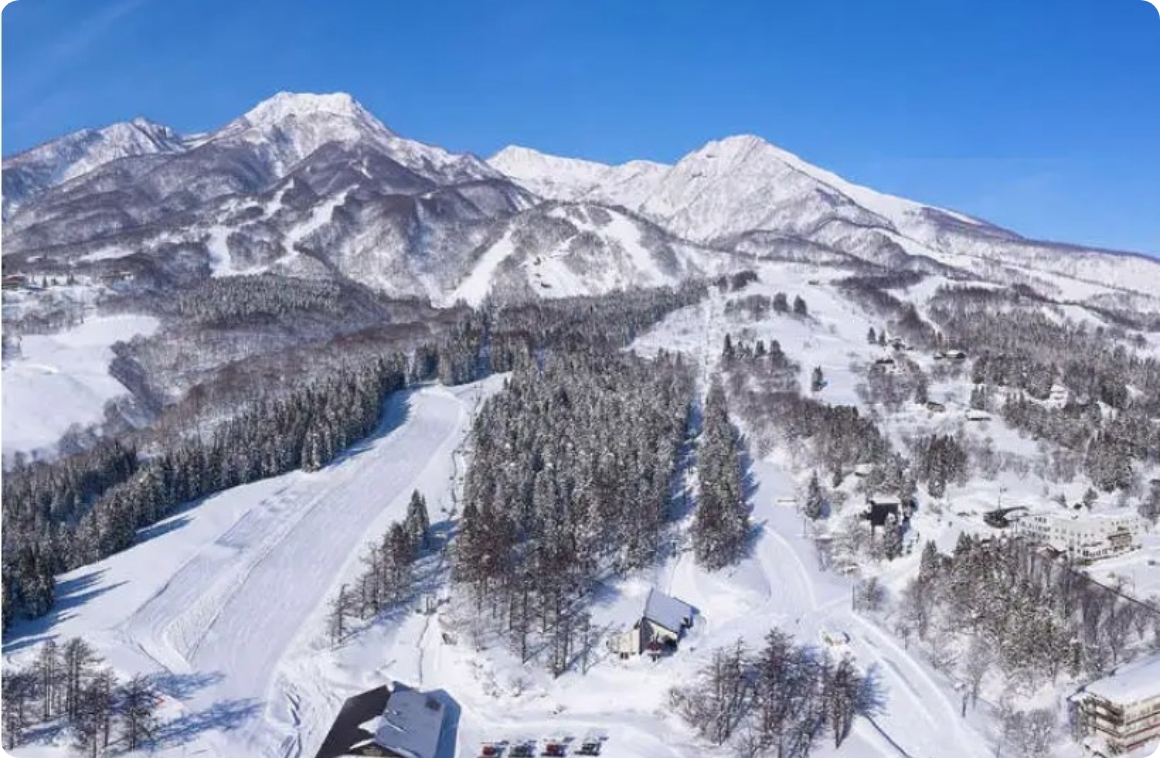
(974, 414)
(661, 625)
(881, 508)
(934, 407)
(397, 723)
(955, 355)
(14, 281)
(863, 470)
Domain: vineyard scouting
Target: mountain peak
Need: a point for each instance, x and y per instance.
(285, 105)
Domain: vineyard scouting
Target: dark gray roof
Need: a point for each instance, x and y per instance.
(347, 731)
(667, 611)
(411, 724)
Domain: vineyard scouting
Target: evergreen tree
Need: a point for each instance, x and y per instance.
(418, 523)
(721, 521)
(818, 380)
(815, 505)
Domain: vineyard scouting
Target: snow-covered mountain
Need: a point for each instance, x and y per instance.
(316, 186)
(742, 187)
(34, 171)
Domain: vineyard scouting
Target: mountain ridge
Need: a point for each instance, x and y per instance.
(320, 173)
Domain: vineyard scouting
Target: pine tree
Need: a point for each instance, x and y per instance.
(799, 306)
(815, 505)
(818, 380)
(418, 523)
(721, 522)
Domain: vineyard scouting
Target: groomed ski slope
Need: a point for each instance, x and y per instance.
(216, 597)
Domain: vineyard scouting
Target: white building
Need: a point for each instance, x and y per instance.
(1121, 713)
(1087, 536)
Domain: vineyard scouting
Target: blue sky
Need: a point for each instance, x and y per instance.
(1040, 115)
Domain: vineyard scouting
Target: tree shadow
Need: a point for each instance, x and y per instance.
(222, 716)
(71, 594)
(171, 524)
(397, 410)
(182, 686)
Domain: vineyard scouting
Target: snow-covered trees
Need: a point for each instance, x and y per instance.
(20, 688)
(387, 575)
(67, 685)
(1028, 619)
(778, 701)
(719, 700)
(571, 477)
(817, 380)
(815, 504)
(721, 521)
(941, 460)
(138, 712)
(1027, 352)
(418, 523)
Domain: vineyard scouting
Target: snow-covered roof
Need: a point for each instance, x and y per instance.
(667, 611)
(881, 498)
(1136, 682)
(411, 724)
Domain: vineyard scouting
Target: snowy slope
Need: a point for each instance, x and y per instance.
(63, 379)
(569, 249)
(219, 598)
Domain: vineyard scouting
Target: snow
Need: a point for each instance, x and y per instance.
(77, 154)
(667, 611)
(221, 264)
(411, 724)
(573, 179)
(63, 379)
(222, 593)
(475, 288)
(320, 216)
(111, 252)
(1134, 683)
(230, 595)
